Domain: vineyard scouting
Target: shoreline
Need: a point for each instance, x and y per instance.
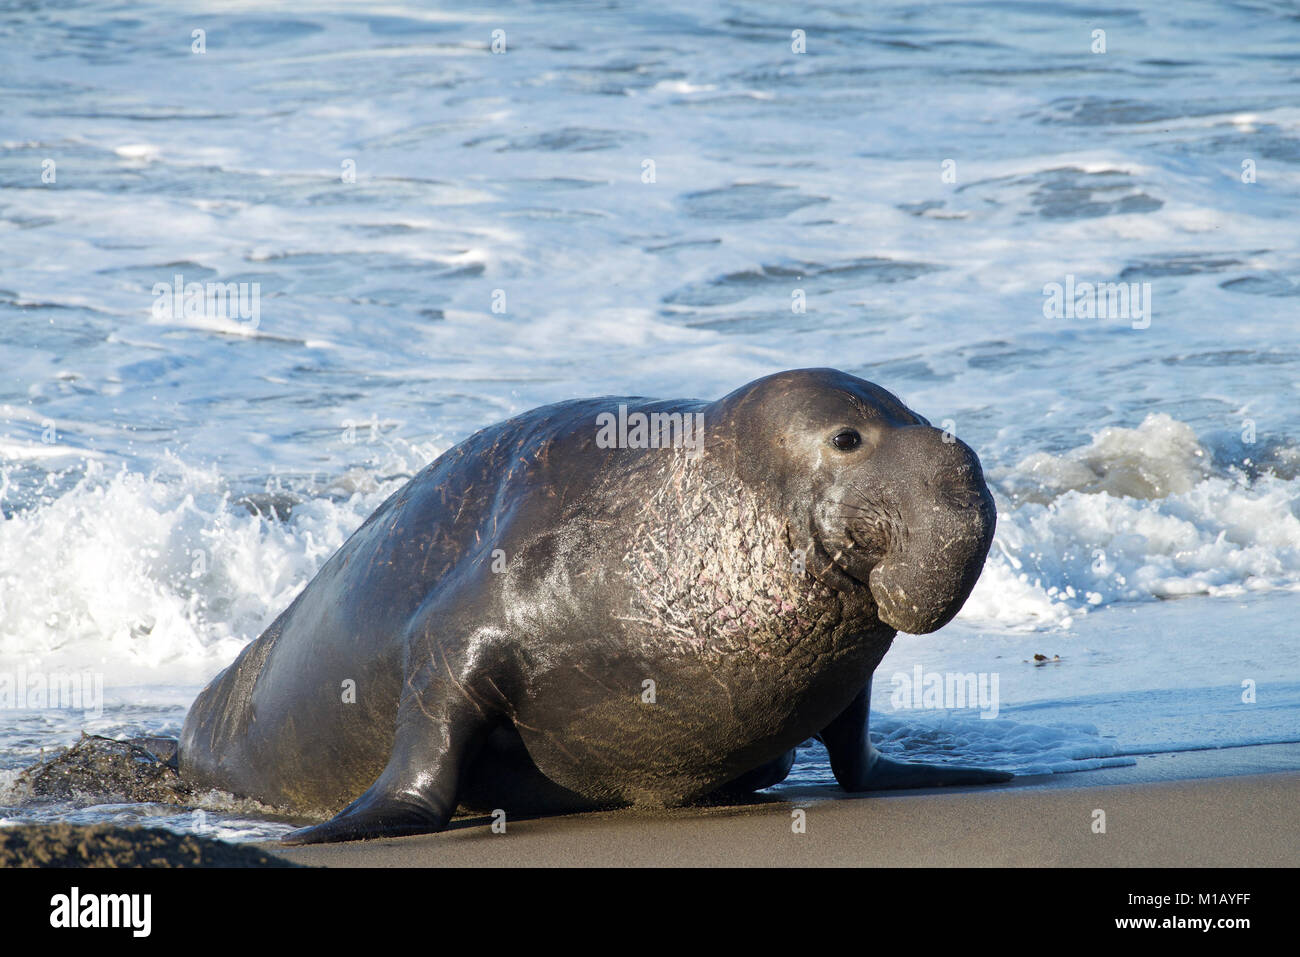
(1228, 807)
(1243, 820)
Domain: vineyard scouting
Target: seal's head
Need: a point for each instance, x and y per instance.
(879, 498)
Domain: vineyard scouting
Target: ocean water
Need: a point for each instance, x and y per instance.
(661, 200)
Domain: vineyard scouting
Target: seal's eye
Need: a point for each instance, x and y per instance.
(846, 440)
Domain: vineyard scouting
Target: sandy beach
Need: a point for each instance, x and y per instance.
(1246, 820)
(1190, 809)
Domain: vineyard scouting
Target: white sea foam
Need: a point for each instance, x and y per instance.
(160, 578)
(1136, 514)
(958, 739)
(137, 151)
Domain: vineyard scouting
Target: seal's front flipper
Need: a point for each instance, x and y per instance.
(374, 814)
(858, 766)
(763, 776)
(886, 774)
(439, 728)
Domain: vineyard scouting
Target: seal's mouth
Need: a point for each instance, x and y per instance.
(833, 567)
(910, 597)
(920, 587)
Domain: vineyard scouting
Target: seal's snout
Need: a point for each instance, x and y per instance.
(948, 517)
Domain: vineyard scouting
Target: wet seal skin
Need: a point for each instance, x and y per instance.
(541, 622)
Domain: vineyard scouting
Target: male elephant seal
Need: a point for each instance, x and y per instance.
(537, 621)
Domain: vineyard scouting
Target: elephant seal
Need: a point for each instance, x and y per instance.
(539, 622)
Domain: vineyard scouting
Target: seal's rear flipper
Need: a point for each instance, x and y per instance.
(140, 770)
(166, 750)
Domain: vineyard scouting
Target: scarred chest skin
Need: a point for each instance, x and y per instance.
(721, 652)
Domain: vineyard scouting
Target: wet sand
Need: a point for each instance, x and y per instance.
(1245, 820)
(1217, 807)
(109, 846)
